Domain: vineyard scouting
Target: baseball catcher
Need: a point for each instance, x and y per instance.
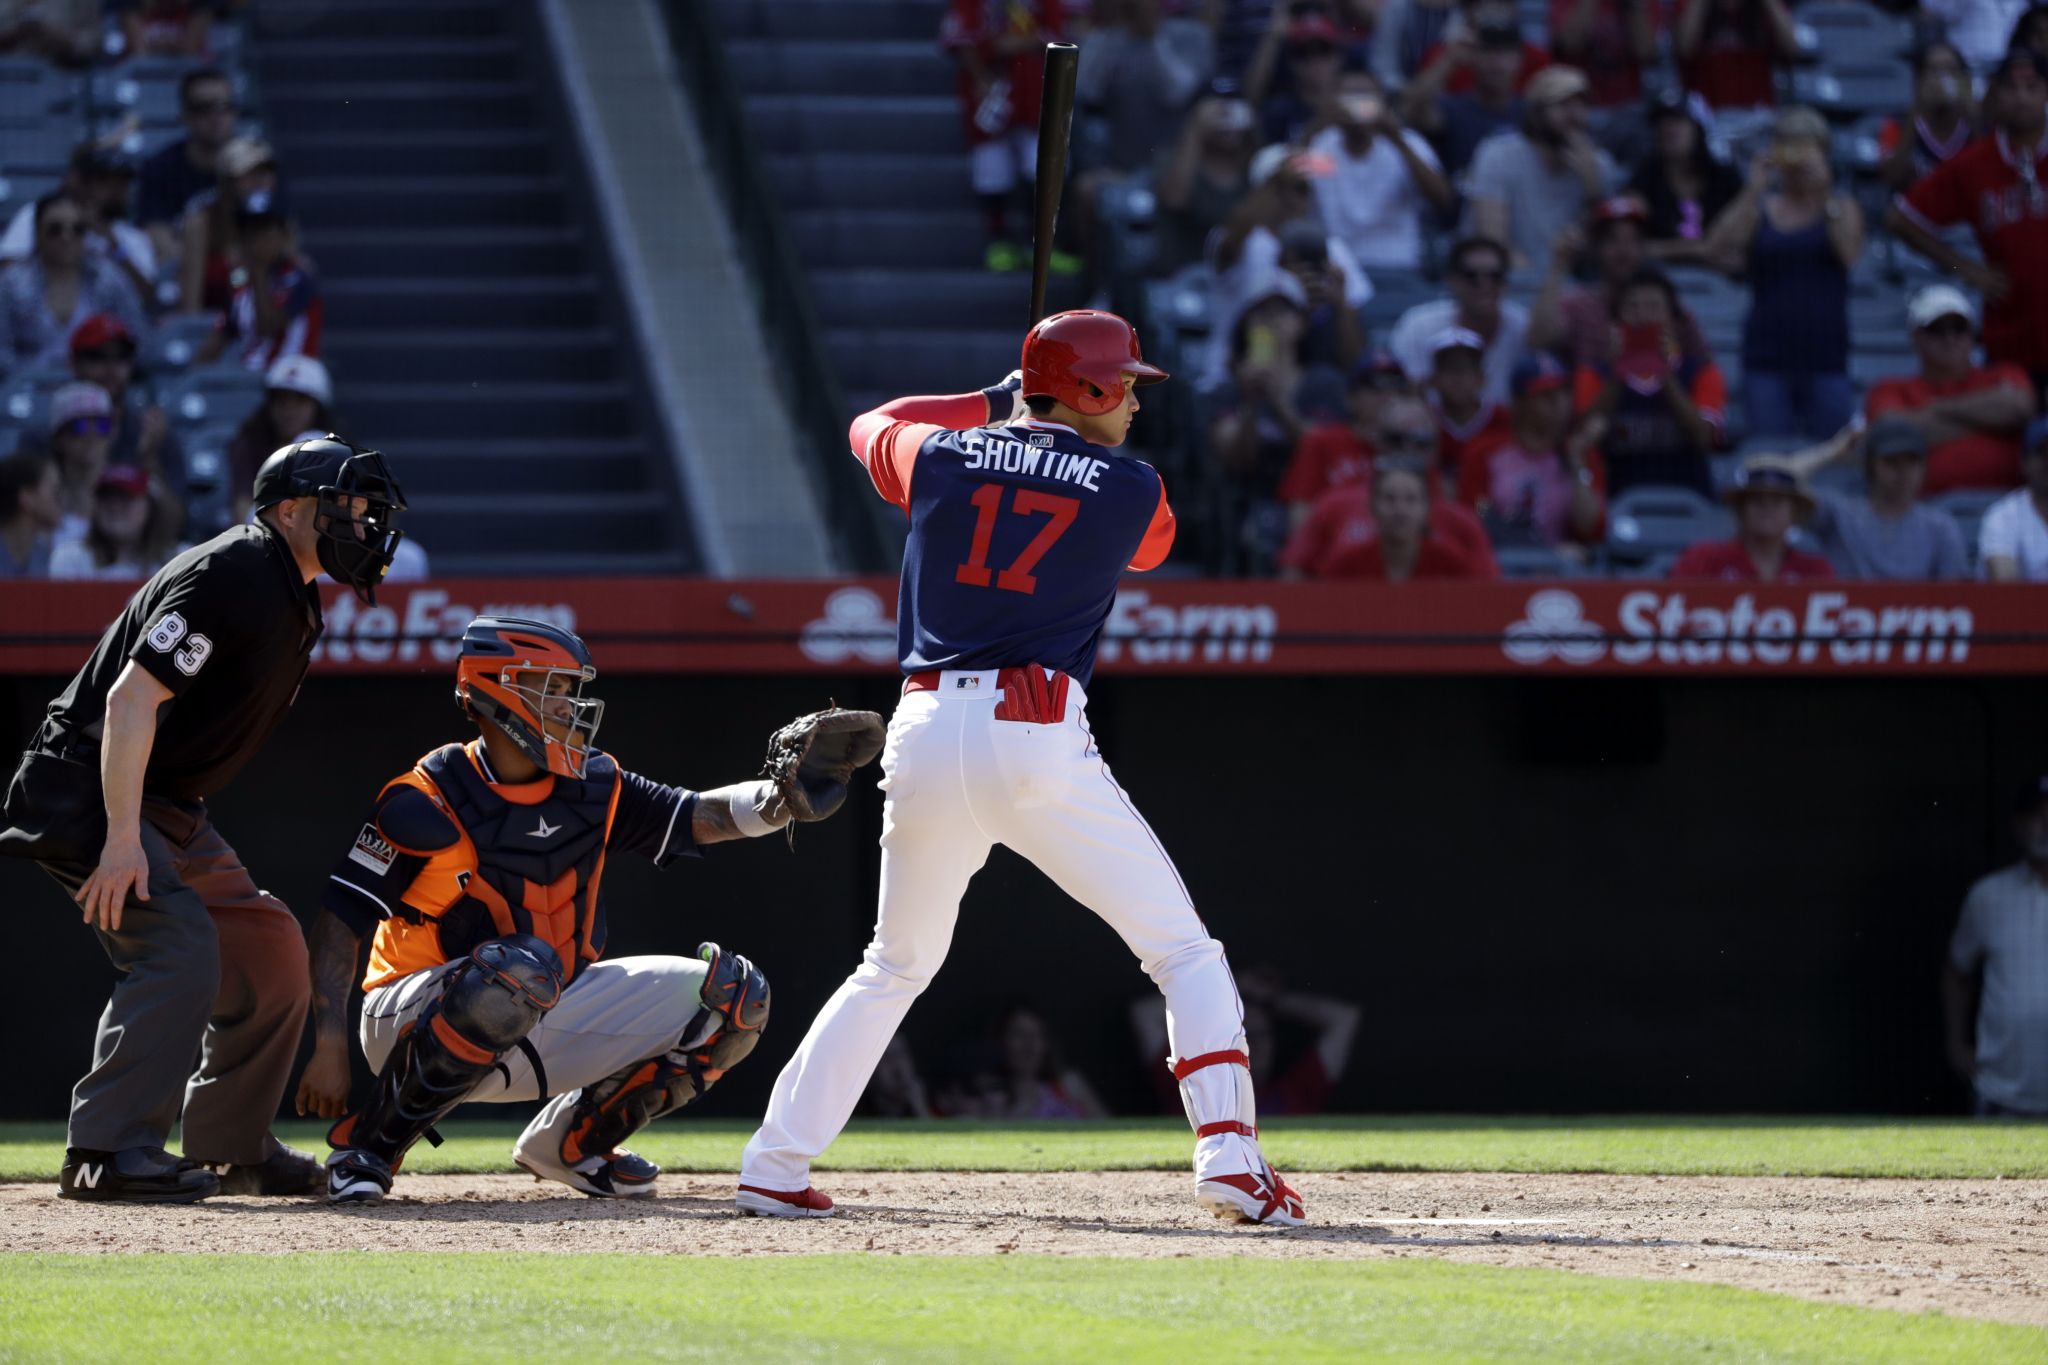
(478, 874)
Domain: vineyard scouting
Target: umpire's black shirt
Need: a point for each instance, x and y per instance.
(229, 627)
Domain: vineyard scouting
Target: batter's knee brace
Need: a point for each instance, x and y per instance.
(485, 1007)
(734, 1001)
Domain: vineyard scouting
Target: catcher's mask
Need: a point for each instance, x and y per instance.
(357, 542)
(527, 678)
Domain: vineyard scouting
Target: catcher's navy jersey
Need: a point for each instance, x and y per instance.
(1018, 536)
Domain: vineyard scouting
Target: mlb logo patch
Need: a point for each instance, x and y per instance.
(967, 683)
(373, 851)
(1043, 439)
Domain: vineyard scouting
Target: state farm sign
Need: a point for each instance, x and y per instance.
(1669, 626)
(422, 624)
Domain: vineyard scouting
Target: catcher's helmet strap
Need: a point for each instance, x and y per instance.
(523, 736)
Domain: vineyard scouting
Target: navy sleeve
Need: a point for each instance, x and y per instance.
(394, 845)
(653, 819)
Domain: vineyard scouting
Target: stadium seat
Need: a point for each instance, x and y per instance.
(209, 501)
(1538, 561)
(223, 392)
(30, 89)
(1844, 30)
(1847, 89)
(173, 344)
(1967, 506)
(1653, 520)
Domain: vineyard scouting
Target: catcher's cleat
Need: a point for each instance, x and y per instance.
(619, 1174)
(1260, 1197)
(356, 1177)
(804, 1203)
(286, 1171)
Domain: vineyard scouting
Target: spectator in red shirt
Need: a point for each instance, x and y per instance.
(1291, 103)
(1331, 542)
(1767, 494)
(276, 309)
(1663, 409)
(1725, 49)
(999, 46)
(1941, 122)
(1610, 40)
(1972, 415)
(1994, 185)
(1468, 423)
(1447, 67)
(1336, 454)
(1538, 487)
(1578, 321)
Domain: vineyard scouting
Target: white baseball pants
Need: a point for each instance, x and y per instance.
(960, 781)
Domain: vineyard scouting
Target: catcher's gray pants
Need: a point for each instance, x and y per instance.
(210, 965)
(613, 1013)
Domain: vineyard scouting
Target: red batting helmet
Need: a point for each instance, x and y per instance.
(1081, 358)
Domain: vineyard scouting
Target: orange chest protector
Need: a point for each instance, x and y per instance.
(537, 864)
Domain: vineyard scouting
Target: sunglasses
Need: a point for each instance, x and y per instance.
(88, 426)
(1482, 276)
(64, 228)
(107, 357)
(1947, 327)
(211, 107)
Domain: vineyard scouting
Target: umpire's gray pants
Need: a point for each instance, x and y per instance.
(614, 1013)
(209, 964)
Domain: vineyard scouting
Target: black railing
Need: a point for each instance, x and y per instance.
(781, 293)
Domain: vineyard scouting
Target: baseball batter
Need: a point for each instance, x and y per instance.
(478, 873)
(1019, 533)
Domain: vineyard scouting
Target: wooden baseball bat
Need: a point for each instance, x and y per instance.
(1055, 127)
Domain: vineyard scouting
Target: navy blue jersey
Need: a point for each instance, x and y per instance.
(1018, 537)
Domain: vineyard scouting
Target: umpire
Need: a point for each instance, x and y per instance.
(110, 799)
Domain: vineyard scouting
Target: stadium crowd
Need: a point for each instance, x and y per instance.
(1468, 287)
(160, 327)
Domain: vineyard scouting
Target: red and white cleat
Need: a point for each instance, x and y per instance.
(1260, 1197)
(804, 1203)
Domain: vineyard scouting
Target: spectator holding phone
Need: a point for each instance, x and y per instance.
(1383, 180)
(1941, 122)
(1292, 101)
(1204, 177)
(1663, 410)
(1578, 321)
(1610, 40)
(1795, 237)
(1457, 122)
(1682, 184)
(1768, 494)
(1726, 49)
(1447, 68)
(1545, 484)
(1525, 188)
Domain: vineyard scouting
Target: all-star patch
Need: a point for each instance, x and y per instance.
(373, 851)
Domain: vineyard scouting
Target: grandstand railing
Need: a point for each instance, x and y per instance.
(780, 289)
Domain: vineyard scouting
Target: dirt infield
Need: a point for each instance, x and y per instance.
(1977, 1248)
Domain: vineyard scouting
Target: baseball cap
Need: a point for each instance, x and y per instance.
(1894, 435)
(1537, 373)
(244, 154)
(1455, 339)
(264, 206)
(101, 329)
(123, 478)
(1555, 85)
(1620, 208)
(1278, 284)
(1377, 370)
(78, 399)
(2037, 434)
(1769, 474)
(1938, 301)
(2030, 794)
(301, 374)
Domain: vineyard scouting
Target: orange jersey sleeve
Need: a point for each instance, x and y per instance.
(1158, 541)
(887, 439)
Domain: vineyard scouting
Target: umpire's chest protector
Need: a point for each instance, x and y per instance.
(537, 863)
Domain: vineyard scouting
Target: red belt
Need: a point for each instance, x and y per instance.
(1028, 695)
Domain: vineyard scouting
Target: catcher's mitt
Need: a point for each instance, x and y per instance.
(811, 759)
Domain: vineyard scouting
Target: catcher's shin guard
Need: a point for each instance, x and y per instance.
(486, 1006)
(735, 995)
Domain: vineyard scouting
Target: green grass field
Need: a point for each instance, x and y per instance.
(1926, 1148)
(381, 1308)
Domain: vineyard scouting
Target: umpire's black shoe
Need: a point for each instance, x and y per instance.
(138, 1175)
(286, 1171)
